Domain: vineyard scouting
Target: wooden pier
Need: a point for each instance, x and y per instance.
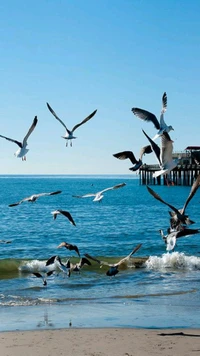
(184, 174)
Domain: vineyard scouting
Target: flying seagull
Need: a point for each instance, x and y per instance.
(99, 195)
(163, 154)
(69, 133)
(113, 270)
(170, 238)
(64, 213)
(70, 247)
(39, 275)
(22, 151)
(34, 197)
(130, 155)
(77, 267)
(56, 261)
(148, 116)
(178, 216)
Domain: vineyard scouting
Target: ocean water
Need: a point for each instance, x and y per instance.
(154, 289)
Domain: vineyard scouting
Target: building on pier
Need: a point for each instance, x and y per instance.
(184, 173)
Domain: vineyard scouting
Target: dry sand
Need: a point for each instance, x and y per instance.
(101, 342)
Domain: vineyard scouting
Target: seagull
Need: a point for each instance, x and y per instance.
(163, 155)
(69, 247)
(34, 197)
(178, 216)
(77, 267)
(113, 270)
(148, 116)
(39, 275)
(56, 261)
(170, 238)
(69, 133)
(99, 195)
(22, 151)
(65, 213)
(130, 155)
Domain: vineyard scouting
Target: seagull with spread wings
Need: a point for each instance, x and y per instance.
(69, 246)
(170, 238)
(64, 213)
(22, 151)
(69, 135)
(99, 195)
(114, 268)
(130, 155)
(178, 216)
(149, 117)
(34, 197)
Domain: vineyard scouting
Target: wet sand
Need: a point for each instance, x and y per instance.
(101, 342)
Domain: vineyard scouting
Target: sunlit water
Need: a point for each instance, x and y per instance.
(162, 291)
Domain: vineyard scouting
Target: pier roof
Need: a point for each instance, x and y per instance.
(191, 148)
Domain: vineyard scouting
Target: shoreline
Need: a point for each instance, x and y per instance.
(101, 342)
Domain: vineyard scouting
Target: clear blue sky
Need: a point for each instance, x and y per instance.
(108, 55)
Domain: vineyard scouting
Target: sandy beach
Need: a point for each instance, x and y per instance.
(101, 342)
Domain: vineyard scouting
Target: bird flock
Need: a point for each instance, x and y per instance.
(178, 222)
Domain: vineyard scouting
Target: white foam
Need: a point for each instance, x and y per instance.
(173, 260)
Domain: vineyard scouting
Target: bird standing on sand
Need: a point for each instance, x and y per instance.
(114, 268)
(148, 116)
(99, 195)
(34, 197)
(22, 151)
(64, 213)
(69, 133)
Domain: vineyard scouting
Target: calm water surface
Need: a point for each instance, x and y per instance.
(163, 291)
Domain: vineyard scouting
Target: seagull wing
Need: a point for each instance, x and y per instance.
(130, 254)
(35, 120)
(67, 215)
(193, 191)
(54, 114)
(96, 260)
(156, 196)
(84, 196)
(126, 154)
(164, 102)
(10, 139)
(84, 261)
(146, 116)
(84, 121)
(19, 202)
(145, 150)
(46, 194)
(154, 147)
(112, 188)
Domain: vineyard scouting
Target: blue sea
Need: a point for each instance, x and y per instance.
(162, 290)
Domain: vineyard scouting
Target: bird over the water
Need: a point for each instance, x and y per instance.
(130, 155)
(99, 195)
(64, 213)
(148, 116)
(22, 151)
(69, 246)
(69, 135)
(34, 197)
(114, 268)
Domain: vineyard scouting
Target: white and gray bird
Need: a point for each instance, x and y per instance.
(114, 268)
(149, 117)
(69, 135)
(99, 195)
(22, 151)
(64, 213)
(170, 238)
(34, 197)
(163, 154)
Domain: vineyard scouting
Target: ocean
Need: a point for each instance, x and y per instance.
(154, 289)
